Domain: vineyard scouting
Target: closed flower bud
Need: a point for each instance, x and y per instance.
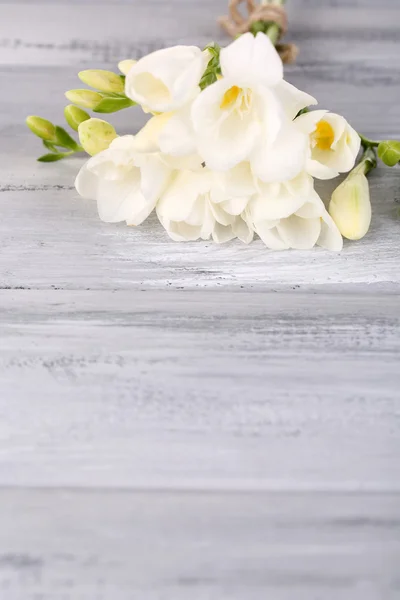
(350, 206)
(104, 81)
(42, 128)
(389, 152)
(75, 116)
(84, 98)
(96, 135)
(126, 65)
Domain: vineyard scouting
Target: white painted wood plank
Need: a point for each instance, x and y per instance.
(67, 245)
(228, 394)
(199, 390)
(73, 545)
(67, 33)
(50, 238)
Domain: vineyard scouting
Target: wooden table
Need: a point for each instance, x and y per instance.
(193, 422)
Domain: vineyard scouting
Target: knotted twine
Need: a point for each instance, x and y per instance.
(235, 23)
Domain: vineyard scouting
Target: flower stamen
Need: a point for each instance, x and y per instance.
(324, 136)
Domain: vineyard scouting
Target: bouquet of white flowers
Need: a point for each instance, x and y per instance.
(230, 148)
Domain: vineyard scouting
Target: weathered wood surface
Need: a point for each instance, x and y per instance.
(153, 545)
(192, 421)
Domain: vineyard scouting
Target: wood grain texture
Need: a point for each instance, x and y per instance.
(120, 545)
(191, 389)
(191, 421)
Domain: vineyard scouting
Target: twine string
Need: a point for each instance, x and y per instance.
(236, 24)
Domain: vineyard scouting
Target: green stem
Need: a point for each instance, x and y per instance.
(367, 143)
(367, 162)
(272, 30)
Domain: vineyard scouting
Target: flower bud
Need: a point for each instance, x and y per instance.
(95, 135)
(84, 98)
(42, 128)
(389, 152)
(350, 206)
(104, 81)
(126, 65)
(75, 116)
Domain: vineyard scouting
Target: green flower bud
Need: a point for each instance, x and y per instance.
(84, 98)
(75, 116)
(350, 206)
(126, 65)
(389, 152)
(104, 81)
(42, 128)
(96, 135)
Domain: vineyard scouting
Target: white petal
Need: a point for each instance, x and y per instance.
(177, 136)
(140, 209)
(239, 181)
(270, 207)
(271, 237)
(307, 122)
(119, 200)
(155, 176)
(220, 215)
(330, 236)
(235, 206)
(242, 230)
(293, 99)
(284, 159)
(147, 140)
(178, 201)
(313, 208)
(222, 234)
(302, 185)
(181, 232)
(166, 79)
(320, 171)
(224, 140)
(86, 183)
(252, 59)
(191, 162)
(298, 233)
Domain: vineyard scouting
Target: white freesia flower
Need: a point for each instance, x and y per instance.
(334, 144)
(154, 137)
(188, 212)
(125, 182)
(247, 114)
(167, 79)
(350, 206)
(292, 215)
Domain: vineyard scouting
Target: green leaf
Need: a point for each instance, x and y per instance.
(50, 146)
(389, 152)
(303, 111)
(52, 157)
(64, 139)
(258, 26)
(214, 49)
(113, 104)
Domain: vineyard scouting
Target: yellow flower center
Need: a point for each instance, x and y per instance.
(324, 135)
(238, 98)
(231, 96)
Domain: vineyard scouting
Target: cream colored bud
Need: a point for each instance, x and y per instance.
(104, 81)
(84, 98)
(95, 135)
(75, 116)
(42, 128)
(126, 65)
(350, 206)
